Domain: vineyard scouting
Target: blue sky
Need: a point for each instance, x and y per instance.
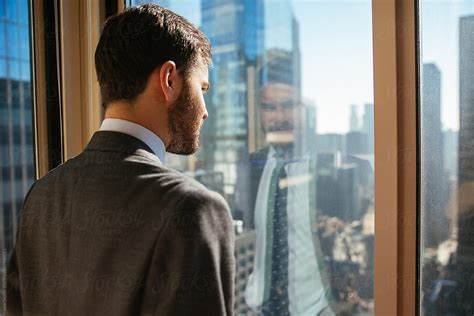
(440, 45)
(336, 47)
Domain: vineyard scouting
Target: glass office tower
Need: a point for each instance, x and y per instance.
(16, 137)
(235, 29)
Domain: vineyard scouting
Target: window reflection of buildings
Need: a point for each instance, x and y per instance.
(16, 137)
(466, 137)
(254, 43)
(447, 273)
(433, 182)
(243, 39)
(345, 205)
(236, 46)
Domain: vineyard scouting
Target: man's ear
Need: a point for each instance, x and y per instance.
(169, 81)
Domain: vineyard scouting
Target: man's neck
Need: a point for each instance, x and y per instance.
(138, 114)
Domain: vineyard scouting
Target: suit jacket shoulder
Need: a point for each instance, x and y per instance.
(100, 233)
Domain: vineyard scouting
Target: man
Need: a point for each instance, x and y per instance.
(113, 231)
(288, 276)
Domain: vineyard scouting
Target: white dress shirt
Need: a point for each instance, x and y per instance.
(142, 133)
(306, 290)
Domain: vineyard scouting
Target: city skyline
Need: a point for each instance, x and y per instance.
(331, 104)
(447, 231)
(346, 30)
(332, 70)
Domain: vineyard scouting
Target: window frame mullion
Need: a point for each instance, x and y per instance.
(395, 44)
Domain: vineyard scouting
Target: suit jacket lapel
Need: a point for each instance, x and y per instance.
(257, 163)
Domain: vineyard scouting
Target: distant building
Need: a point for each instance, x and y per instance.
(344, 186)
(16, 119)
(450, 142)
(368, 126)
(282, 44)
(326, 183)
(329, 143)
(466, 139)
(452, 291)
(356, 143)
(235, 29)
(354, 122)
(435, 226)
(309, 128)
(348, 200)
(254, 42)
(360, 138)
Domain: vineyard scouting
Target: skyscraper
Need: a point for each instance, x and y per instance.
(356, 143)
(459, 270)
(16, 134)
(347, 198)
(466, 142)
(329, 143)
(450, 142)
(251, 46)
(309, 125)
(368, 126)
(235, 31)
(433, 183)
(354, 119)
(253, 43)
(282, 46)
(296, 55)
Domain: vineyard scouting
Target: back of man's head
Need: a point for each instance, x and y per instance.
(136, 41)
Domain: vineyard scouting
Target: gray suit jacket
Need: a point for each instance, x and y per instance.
(114, 232)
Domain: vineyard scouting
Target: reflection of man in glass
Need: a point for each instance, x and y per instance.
(287, 277)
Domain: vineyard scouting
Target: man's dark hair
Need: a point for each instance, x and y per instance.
(136, 41)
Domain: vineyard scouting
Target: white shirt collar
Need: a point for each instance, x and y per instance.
(142, 133)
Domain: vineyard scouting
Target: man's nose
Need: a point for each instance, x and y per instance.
(205, 114)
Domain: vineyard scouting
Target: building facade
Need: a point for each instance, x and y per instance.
(16, 118)
(433, 183)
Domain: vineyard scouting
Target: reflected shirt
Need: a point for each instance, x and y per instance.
(138, 131)
(306, 290)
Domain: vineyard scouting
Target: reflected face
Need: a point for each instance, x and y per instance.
(280, 112)
(187, 114)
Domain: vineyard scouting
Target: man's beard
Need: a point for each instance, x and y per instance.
(184, 125)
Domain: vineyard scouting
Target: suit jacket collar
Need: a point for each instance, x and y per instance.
(139, 131)
(120, 143)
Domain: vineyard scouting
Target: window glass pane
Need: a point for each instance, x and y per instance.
(25, 71)
(16, 141)
(13, 39)
(2, 10)
(23, 18)
(289, 143)
(24, 43)
(447, 157)
(3, 68)
(13, 70)
(12, 9)
(3, 43)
